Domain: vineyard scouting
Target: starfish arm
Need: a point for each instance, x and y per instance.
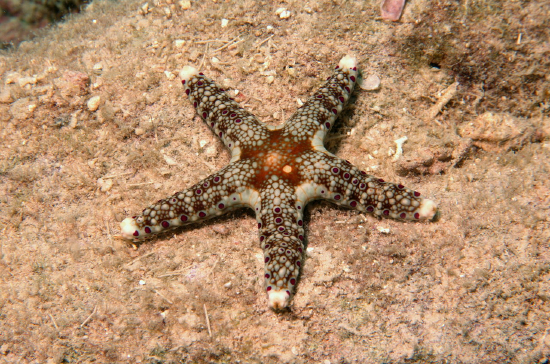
(315, 118)
(214, 196)
(236, 127)
(280, 224)
(340, 182)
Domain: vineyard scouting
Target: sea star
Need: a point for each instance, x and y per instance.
(276, 171)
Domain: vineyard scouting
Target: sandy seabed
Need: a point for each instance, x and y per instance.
(94, 127)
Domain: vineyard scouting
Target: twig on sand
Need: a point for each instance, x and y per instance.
(89, 317)
(207, 321)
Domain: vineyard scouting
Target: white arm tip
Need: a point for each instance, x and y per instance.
(348, 62)
(278, 299)
(128, 227)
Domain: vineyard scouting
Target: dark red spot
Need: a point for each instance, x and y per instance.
(206, 184)
(386, 212)
(298, 263)
(288, 293)
(200, 73)
(259, 225)
(292, 281)
(416, 194)
(204, 115)
(147, 230)
(337, 67)
(319, 96)
(337, 197)
(266, 259)
(354, 68)
(353, 203)
(380, 180)
(301, 237)
(277, 210)
(370, 208)
(335, 170)
(183, 82)
(403, 215)
(262, 238)
(217, 179)
(341, 98)
(400, 186)
(328, 78)
(195, 104)
(202, 214)
(346, 175)
(416, 215)
(183, 218)
(267, 276)
(225, 112)
(278, 220)
(335, 111)
(268, 288)
(221, 206)
(221, 134)
(363, 173)
(347, 89)
(233, 115)
(198, 192)
(238, 121)
(300, 223)
(299, 207)
(352, 78)
(281, 229)
(212, 125)
(288, 252)
(199, 83)
(165, 224)
(187, 91)
(136, 233)
(267, 246)
(362, 186)
(355, 181)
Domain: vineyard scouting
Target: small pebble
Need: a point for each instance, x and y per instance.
(98, 67)
(224, 23)
(283, 13)
(169, 75)
(179, 43)
(105, 184)
(185, 4)
(93, 103)
(5, 96)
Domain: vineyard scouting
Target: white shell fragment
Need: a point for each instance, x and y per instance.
(399, 147)
(371, 83)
